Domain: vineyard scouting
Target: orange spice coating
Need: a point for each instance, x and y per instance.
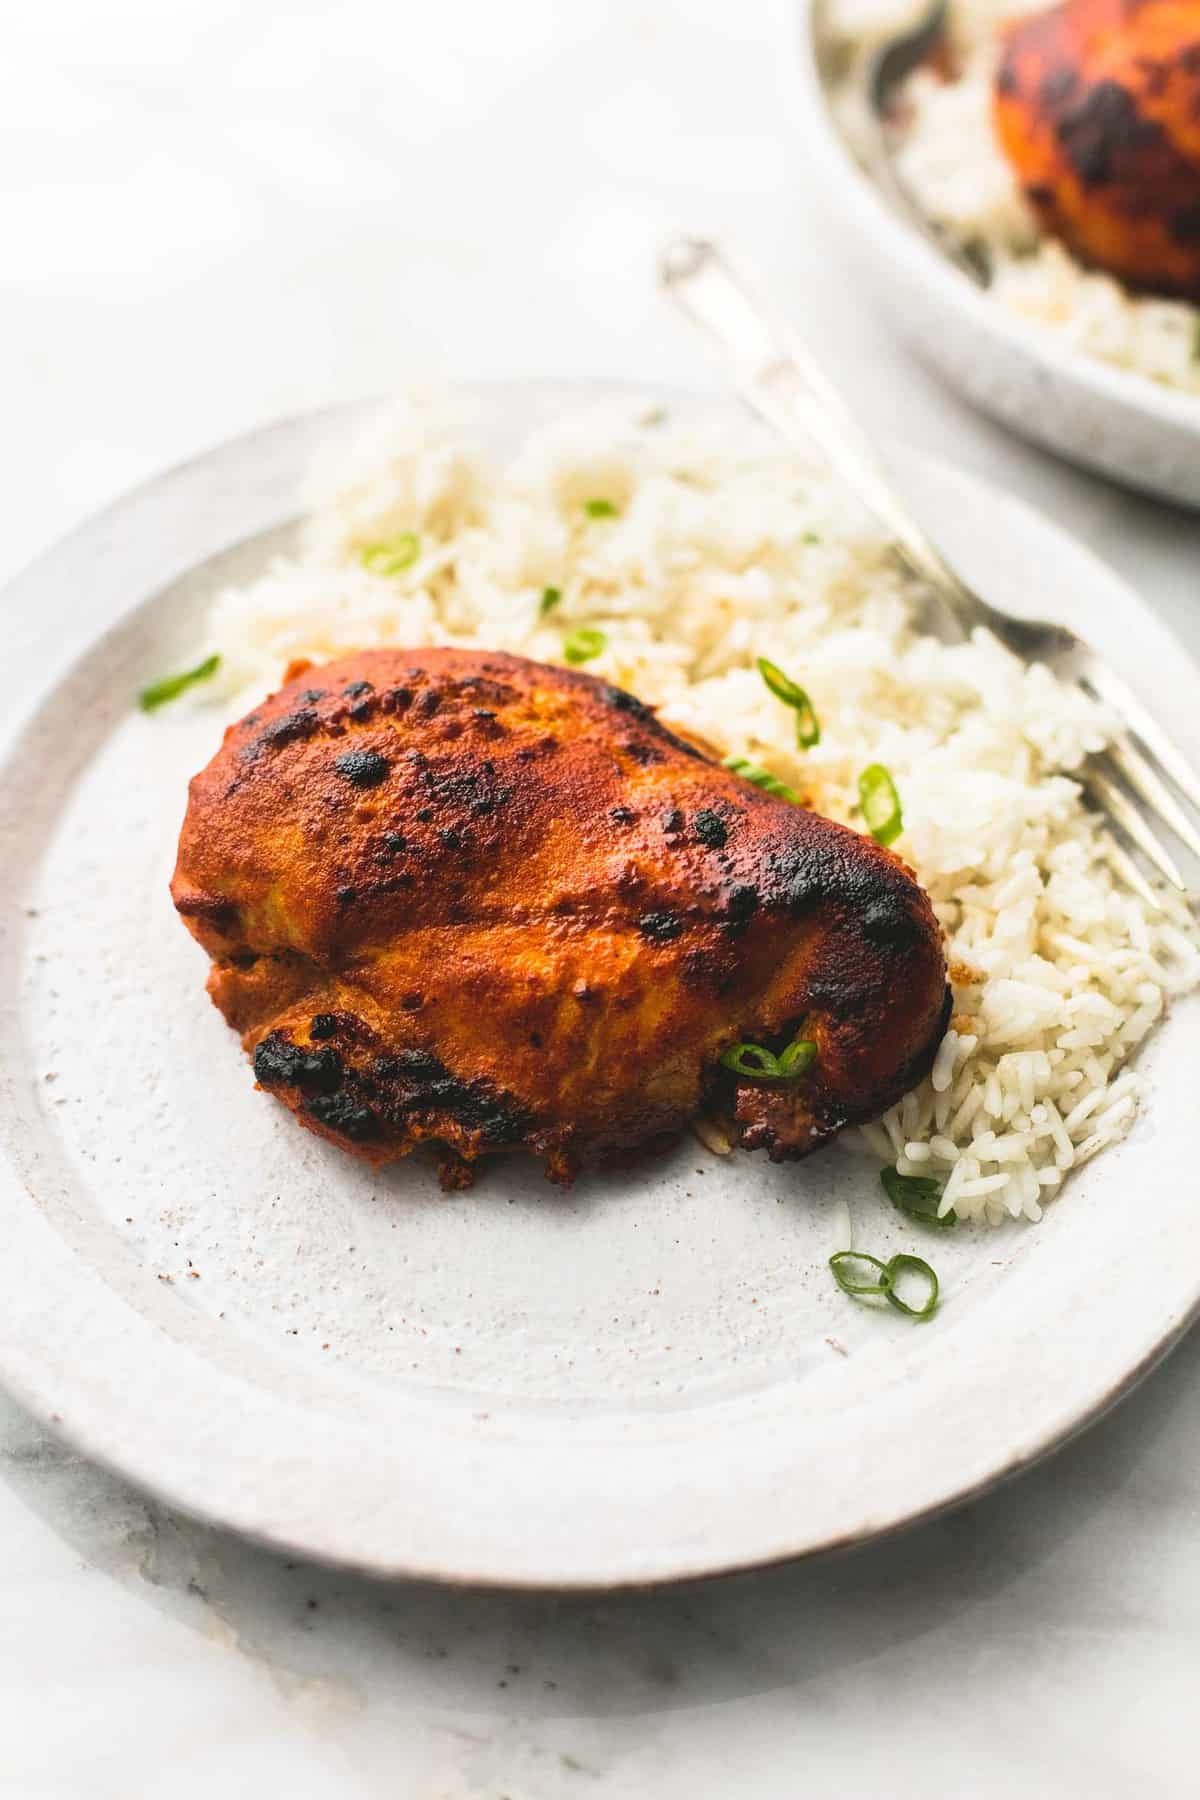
(459, 896)
(1097, 107)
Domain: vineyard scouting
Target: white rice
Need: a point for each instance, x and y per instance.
(720, 553)
(952, 163)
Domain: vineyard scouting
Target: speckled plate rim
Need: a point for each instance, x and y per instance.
(1123, 393)
(82, 1359)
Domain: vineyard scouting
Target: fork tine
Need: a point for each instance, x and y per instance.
(1113, 691)
(1120, 808)
(1127, 870)
(1142, 776)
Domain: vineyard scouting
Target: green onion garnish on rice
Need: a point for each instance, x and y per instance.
(600, 509)
(549, 600)
(851, 1270)
(808, 728)
(171, 686)
(918, 1196)
(580, 646)
(392, 556)
(880, 804)
(754, 1062)
(761, 778)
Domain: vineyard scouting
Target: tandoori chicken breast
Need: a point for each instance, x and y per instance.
(1097, 107)
(457, 896)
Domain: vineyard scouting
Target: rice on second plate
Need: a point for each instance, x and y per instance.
(949, 158)
(670, 560)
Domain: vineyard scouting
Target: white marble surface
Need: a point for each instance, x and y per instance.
(214, 213)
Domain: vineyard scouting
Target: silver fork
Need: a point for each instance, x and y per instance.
(785, 385)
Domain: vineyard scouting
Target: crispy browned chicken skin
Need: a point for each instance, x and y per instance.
(1097, 107)
(459, 896)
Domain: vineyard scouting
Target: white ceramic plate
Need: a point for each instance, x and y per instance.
(1123, 424)
(651, 1377)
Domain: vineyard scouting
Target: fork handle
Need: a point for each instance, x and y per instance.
(786, 386)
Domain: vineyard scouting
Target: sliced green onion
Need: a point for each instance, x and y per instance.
(549, 600)
(918, 1196)
(808, 729)
(394, 555)
(600, 509)
(884, 1285)
(171, 686)
(841, 1259)
(812, 537)
(912, 1265)
(756, 1063)
(582, 645)
(761, 778)
(880, 804)
(799, 1056)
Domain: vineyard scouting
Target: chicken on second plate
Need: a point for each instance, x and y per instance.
(1097, 107)
(463, 897)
